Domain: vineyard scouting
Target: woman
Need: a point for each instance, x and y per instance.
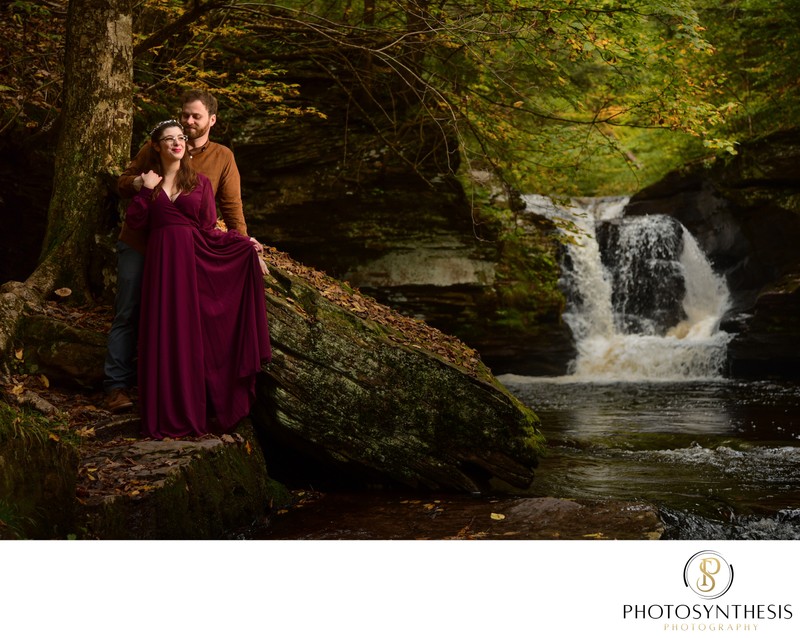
(203, 331)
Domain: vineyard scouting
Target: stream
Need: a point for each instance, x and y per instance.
(720, 459)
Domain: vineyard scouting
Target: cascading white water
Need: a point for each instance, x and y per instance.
(614, 340)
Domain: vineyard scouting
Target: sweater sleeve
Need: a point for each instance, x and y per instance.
(138, 214)
(135, 168)
(229, 195)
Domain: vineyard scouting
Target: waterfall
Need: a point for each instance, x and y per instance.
(643, 302)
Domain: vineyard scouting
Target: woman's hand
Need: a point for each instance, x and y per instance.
(263, 266)
(150, 179)
(256, 244)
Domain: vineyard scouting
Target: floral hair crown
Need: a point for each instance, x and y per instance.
(165, 124)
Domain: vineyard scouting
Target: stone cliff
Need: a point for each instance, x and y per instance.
(745, 213)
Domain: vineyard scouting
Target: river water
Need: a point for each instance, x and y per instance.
(721, 459)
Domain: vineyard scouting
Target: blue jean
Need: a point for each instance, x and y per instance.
(120, 365)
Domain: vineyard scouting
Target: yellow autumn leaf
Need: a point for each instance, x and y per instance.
(54, 437)
(497, 517)
(18, 389)
(19, 354)
(45, 381)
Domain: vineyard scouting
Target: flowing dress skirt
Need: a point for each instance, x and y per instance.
(203, 328)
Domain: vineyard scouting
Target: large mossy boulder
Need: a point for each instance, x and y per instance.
(361, 391)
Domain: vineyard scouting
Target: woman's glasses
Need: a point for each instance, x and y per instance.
(172, 140)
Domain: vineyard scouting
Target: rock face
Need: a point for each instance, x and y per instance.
(745, 213)
(349, 391)
(65, 353)
(769, 345)
(368, 202)
(416, 242)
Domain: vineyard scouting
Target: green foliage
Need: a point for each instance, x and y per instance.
(207, 45)
(558, 98)
(31, 73)
(528, 281)
(570, 97)
(545, 95)
(755, 66)
(29, 431)
(32, 427)
(527, 288)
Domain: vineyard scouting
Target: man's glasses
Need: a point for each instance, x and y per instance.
(171, 140)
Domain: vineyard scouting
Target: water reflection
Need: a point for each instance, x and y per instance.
(722, 459)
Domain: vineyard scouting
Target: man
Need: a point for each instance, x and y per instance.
(215, 161)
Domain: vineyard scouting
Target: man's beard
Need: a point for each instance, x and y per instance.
(195, 132)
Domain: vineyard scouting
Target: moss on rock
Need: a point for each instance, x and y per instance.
(38, 470)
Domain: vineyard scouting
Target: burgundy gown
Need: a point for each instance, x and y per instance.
(203, 331)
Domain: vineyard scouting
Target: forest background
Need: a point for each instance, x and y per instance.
(567, 97)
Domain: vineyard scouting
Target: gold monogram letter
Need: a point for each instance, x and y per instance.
(708, 565)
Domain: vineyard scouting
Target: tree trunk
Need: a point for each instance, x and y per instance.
(94, 139)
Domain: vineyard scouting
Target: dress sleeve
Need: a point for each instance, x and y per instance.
(137, 216)
(135, 168)
(207, 215)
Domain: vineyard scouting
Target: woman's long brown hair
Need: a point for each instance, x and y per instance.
(186, 177)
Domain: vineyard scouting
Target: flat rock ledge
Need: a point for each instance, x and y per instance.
(456, 517)
(192, 489)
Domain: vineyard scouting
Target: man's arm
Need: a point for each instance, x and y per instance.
(229, 196)
(130, 181)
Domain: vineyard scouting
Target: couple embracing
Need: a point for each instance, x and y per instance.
(191, 294)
